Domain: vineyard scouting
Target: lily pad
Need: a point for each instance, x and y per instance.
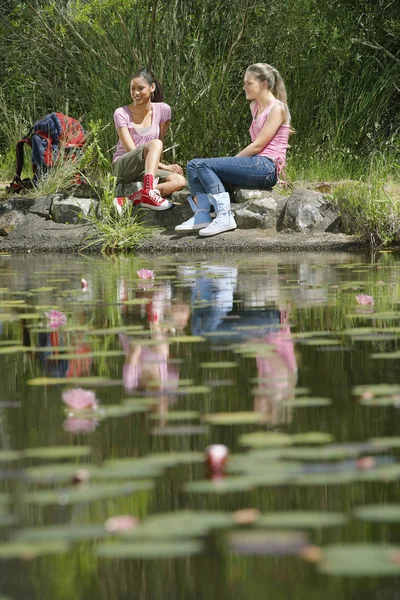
(57, 452)
(30, 551)
(266, 542)
(366, 560)
(61, 532)
(219, 365)
(58, 472)
(186, 339)
(150, 549)
(9, 455)
(263, 439)
(181, 524)
(87, 493)
(220, 486)
(76, 380)
(302, 519)
(234, 418)
(385, 513)
(177, 415)
(306, 402)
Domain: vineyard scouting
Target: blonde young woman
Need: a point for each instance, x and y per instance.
(258, 165)
(141, 127)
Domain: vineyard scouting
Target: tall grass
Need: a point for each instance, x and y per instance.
(371, 206)
(342, 94)
(114, 233)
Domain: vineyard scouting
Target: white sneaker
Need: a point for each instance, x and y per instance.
(200, 219)
(222, 222)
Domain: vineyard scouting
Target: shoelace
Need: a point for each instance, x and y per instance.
(156, 196)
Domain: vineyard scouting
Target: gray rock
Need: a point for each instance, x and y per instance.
(83, 190)
(246, 219)
(240, 195)
(168, 219)
(181, 196)
(258, 213)
(306, 210)
(73, 210)
(9, 220)
(39, 206)
(35, 234)
(129, 188)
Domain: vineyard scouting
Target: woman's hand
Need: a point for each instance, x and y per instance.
(173, 168)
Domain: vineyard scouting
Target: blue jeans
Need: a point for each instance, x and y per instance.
(205, 175)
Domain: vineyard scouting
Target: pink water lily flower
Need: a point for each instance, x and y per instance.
(121, 523)
(84, 284)
(80, 399)
(365, 299)
(55, 319)
(145, 274)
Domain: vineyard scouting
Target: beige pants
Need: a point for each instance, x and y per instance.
(130, 167)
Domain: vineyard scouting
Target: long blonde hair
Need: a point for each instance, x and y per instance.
(268, 73)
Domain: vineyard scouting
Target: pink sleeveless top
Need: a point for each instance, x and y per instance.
(123, 118)
(276, 148)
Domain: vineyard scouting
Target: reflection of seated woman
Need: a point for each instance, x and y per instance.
(277, 374)
(147, 368)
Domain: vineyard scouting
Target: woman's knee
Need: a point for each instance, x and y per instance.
(155, 144)
(178, 180)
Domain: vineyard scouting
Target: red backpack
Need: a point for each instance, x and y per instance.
(46, 138)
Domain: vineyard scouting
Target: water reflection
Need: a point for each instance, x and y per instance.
(235, 305)
(147, 366)
(277, 374)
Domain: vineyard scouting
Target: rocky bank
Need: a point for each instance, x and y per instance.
(303, 219)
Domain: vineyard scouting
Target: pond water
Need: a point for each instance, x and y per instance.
(113, 388)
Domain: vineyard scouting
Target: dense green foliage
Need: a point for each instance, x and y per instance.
(339, 60)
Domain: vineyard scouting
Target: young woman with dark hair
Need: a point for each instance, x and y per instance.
(141, 127)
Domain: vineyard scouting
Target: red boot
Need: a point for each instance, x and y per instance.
(149, 196)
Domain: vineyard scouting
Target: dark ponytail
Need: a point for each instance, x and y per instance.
(158, 94)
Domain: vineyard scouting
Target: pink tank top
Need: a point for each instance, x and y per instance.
(276, 148)
(123, 118)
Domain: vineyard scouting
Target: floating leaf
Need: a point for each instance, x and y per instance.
(88, 493)
(195, 389)
(177, 415)
(57, 472)
(58, 452)
(386, 513)
(8, 455)
(261, 439)
(266, 542)
(150, 549)
(181, 524)
(366, 560)
(92, 381)
(180, 430)
(186, 339)
(220, 486)
(234, 418)
(219, 365)
(30, 551)
(301, 519)
(305, 402)
(122, 410)
(61, 532)
(386, 442)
